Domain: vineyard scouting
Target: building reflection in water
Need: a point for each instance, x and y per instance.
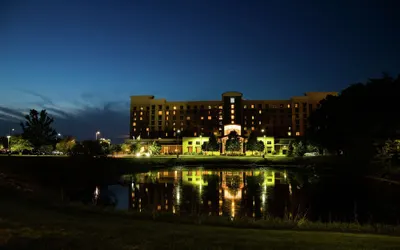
(233, 193)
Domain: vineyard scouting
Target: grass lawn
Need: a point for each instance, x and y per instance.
(27, 223)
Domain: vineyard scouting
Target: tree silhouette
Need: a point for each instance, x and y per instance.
(359, 119)
(212, 144)
(37, 128)
(252, 144)
(233, 142)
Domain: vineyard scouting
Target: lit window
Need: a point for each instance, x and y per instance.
(232, 117)
(202, 118)
(297, 133)
(140, 118)
(134, 124)
(134, 129)
(141, 113)
(296, 105)
(220, 117)
(220, 107)
(174, 129)
(141, 108)
(252, 117)
(220, 128)
(260, 111)
(244, 128)
(233, 122)
(252, 128)
(134, 119)
(167, 118)
(290, 128)
(160, 112)
(188, 118)
(173, 124)
(259, 122)
(174, 112)
(195, 134)
(245, 106)
(202, 129)
(209, 107)
(289, 133)
(181, 123)
(167, 112)
(209, 117)
(147, 129)
(288, 106)
(252, 106)
(232, 100)
(232, 106)
(232, 111)
(166, 134)
(175, 107)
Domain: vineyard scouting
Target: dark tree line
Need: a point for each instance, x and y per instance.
(360, 120)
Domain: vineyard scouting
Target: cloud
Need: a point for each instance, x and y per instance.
(45, 99)
(111, 118)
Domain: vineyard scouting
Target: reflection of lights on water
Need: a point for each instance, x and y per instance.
(290, 189)
(233, 209)
(173, 209)
(263, 198)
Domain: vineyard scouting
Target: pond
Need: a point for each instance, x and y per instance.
(258, 193)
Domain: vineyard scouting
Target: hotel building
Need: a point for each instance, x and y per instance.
(159, 118)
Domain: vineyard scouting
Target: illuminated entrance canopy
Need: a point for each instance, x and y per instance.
(232, 127)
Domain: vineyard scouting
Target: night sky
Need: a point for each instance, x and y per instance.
(81, 60)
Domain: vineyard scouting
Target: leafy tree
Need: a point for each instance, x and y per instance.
(130, 146)
(105, 147)
(352, 124)
(92, 148)
(260, 147)
(77, 149)
(252, 144)
(37, 128)
(66, 145)
(299, 148)
(115, 148)
(19, 144)
(46, 148)
(233, 142)
(213, 144)
(155, 148)
(205, 146)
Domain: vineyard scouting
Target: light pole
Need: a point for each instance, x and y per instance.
(201, 143)
(265, 146)
(97, 134)
(8, 142)
(177, 141)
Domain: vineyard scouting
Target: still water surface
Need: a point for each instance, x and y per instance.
(258, 193)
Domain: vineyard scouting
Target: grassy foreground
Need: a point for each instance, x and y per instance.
(31, 222)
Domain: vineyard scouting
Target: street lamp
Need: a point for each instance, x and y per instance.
(265, 146)
(177, 141)
(8, 142)
(97, 134)
(201, 143)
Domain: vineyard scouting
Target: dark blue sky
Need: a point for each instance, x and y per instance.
(83, 59)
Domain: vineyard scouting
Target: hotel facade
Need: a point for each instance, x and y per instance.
(152, 118)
